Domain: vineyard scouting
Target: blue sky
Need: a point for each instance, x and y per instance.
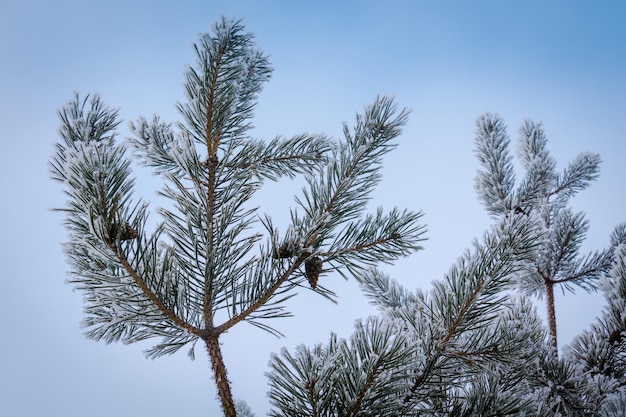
(562, 62)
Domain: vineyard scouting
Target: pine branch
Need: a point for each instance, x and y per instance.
(373, 364)
(210, 239)
(466, 298)
(586, 273)
(376, 238)
(263, 299)
(602, 349)
(532, 148)
(425, 354)
(495, 184)
(151, 295)
(205, 262)
(543, 194)
(577, 176)
(301, 154)
(340, 195)
(223, 87)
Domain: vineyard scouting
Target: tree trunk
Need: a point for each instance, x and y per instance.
(221, 379)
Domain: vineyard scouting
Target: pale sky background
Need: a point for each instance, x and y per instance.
(562, 62)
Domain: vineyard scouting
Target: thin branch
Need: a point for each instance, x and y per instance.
(310, 387)
(265, 161)
(419, 380)
(151, 295)
(489, 351)
(264, 298)
(211, 141)
(464, 310)
(212, 145)
(354, 410)
(578, 275)
(208, 281)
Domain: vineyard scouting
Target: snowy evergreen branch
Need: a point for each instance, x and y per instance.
(496, 182)
(467, 347)
(361, 243)
(106, 227)
(561, 386)
(214, 261)
(353, 172)
(577, 176)
(600, 352)
(223, 86)
(340, 195)
(449, 338)
(470, 347)
(456, 321)
(543, 194)
(345, 377)
(301, 154)
(155, 144)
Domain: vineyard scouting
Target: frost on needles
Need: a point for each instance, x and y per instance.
(213, 260)
(474, 345)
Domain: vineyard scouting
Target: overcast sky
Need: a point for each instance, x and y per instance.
(560, 62)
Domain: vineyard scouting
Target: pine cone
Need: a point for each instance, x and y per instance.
(285, 250)
(313, 267)
(121, 232)
(128, 233)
